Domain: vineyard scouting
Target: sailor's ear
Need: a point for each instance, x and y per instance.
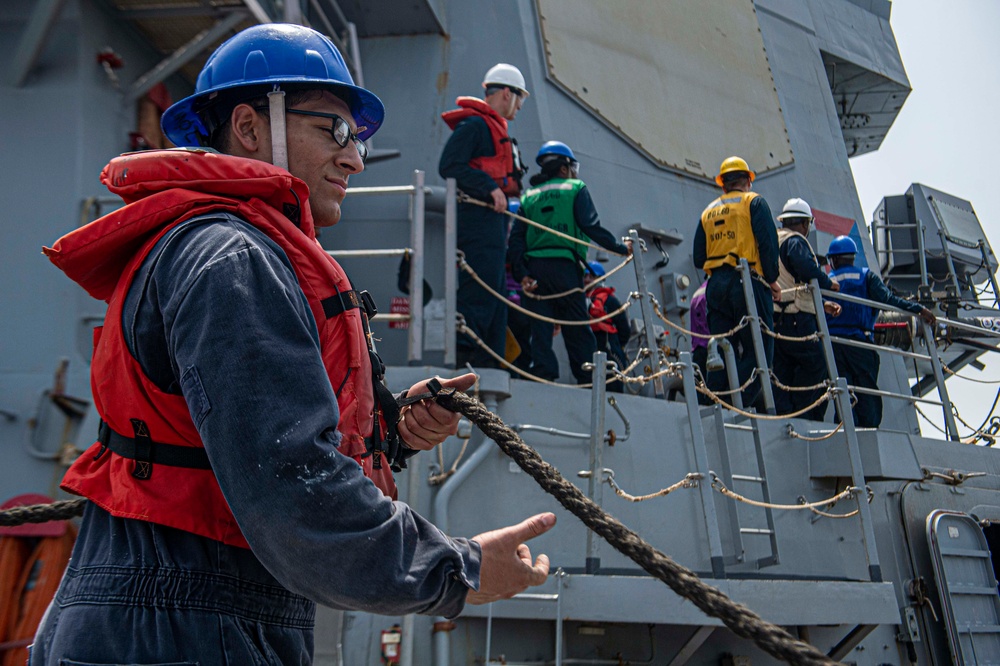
(246, 126)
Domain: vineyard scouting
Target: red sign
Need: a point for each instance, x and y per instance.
(399, 305)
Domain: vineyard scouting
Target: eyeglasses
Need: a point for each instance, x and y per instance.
(339, 129)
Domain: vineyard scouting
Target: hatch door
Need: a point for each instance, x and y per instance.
(966, 586)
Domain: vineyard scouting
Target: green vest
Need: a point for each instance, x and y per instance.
(551, 204)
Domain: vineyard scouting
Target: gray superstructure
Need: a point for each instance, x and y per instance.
(652, 95)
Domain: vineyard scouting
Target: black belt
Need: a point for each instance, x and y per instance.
(145, 452)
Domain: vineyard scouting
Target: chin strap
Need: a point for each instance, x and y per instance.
(279, 142)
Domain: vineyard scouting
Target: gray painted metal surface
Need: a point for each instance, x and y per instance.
(69, 119)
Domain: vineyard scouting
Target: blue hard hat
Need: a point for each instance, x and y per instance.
(842, 245)
(264, 58)
(554, 148)
(596, 269)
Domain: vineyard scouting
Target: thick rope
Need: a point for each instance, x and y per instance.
(561, 322)
(740, 619)
(42, 513)
(465, 198)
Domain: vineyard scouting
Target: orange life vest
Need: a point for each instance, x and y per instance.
(162, 189)
(504, 166)
(598, 308)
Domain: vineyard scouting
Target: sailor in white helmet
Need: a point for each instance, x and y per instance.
(484, 160)
(798, 362)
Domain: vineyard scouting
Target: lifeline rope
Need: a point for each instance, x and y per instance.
(465, 198)
(968, 379)
(795, 435)
(689, 481)
(561, 322)
(718, 485)
(681, 329)
(783, 387)
(740, 619)
(582, 290)
(766, 417)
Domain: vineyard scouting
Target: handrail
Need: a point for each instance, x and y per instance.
(926, 331)
(417, 193)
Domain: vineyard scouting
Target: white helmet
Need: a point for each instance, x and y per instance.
(503, 74)
(796, 207)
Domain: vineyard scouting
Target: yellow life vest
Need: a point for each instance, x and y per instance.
(792, 302)
(728, 234)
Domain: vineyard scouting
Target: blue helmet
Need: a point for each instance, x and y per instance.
(264, 58)
(842, 245)
(554, 148)
(596, 269)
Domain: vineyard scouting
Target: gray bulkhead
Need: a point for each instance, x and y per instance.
(66, 119)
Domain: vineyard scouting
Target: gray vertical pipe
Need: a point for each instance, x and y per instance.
(412, 495)
(647, 313)
(843, 400)
(450, 269)
(758, 338)
(442, 639)
(595, 484)
(701, 466)
(416, 338)
(949, 417)
(923, 254)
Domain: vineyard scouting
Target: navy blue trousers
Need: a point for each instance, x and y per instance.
(482, 236)
(555, 276)
(798, 364)
(860, 368)
(139, 593)
(726, 307)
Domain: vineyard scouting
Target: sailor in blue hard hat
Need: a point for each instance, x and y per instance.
(547, 264)
(857, 365)
(266, 79)
(243, 470)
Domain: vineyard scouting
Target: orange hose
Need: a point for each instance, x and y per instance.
(30, 596)
(14, 553)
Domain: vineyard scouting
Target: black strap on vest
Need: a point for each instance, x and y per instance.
(145, 452)
(391, 445)
(344, 301)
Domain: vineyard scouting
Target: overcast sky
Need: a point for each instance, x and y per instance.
(946, 136)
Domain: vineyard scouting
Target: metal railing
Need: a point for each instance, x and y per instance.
(418, 193)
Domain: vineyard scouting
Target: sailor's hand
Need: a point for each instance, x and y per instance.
(831, 308)
(506, 567)
(928, 316)
(425, 424)
(529, 284)
(775, 292)
(628, 245)
(499, 200)
(835, 286)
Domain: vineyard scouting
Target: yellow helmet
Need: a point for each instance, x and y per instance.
(731, 164)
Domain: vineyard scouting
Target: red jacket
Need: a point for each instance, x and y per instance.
(504, 165)
(598, 308)
(162, 189)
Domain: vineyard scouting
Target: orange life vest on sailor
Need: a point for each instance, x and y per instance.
(598, 297)
(162, 189)
(504, 165)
